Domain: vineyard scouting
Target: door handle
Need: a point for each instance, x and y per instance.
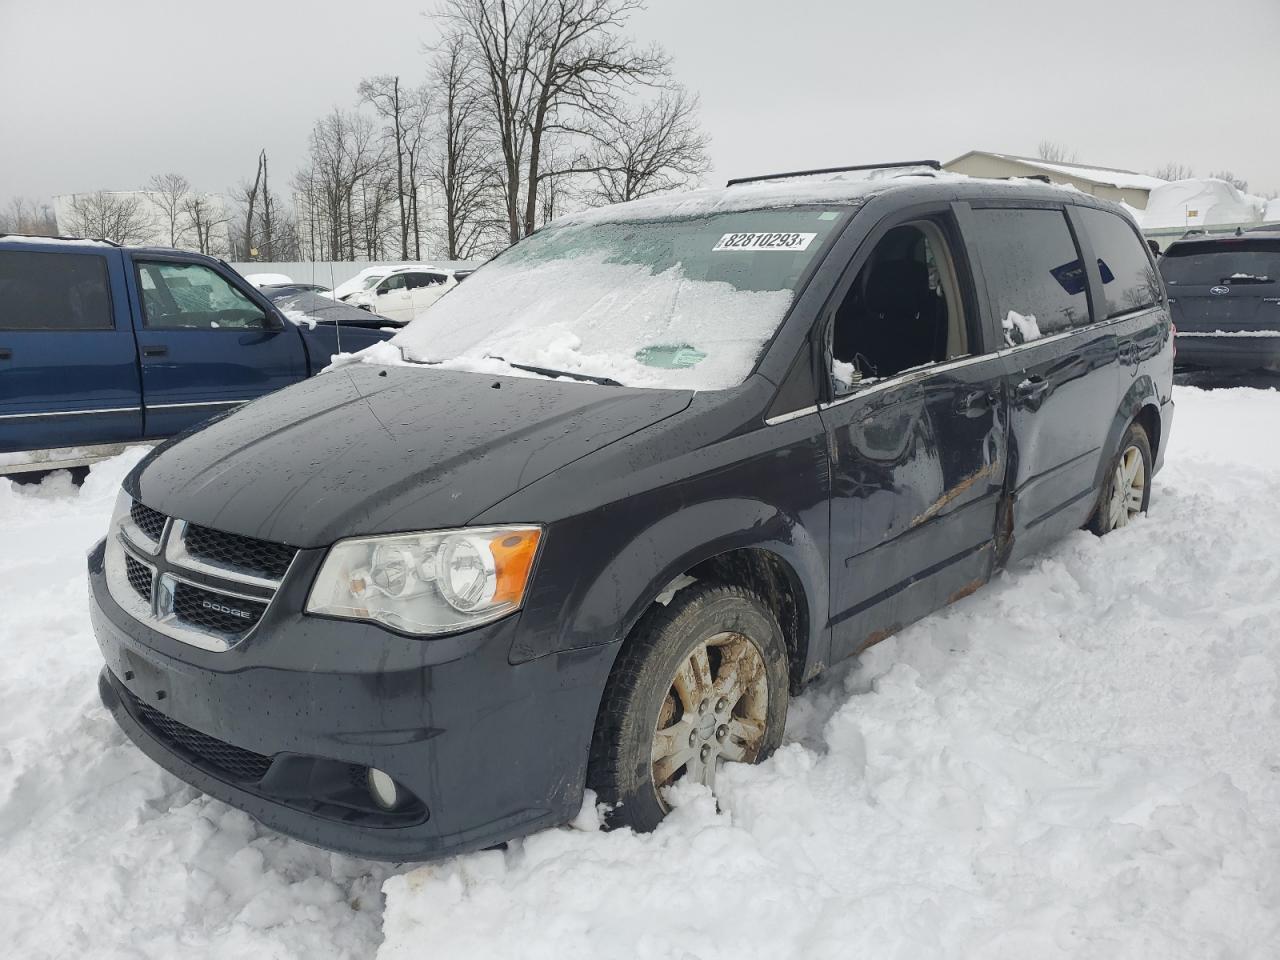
(1032, 389)
(6, 353)
(158, 351)
(977, 402)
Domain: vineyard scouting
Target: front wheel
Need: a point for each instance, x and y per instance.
(1127, 490)
(701, 681)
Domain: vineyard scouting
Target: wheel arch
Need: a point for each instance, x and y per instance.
(1140, 404)
(730, 541)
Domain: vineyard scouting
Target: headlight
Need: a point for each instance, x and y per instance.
(427, 583)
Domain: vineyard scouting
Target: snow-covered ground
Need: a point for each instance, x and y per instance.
(1082, 760)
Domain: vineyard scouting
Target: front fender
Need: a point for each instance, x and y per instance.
(607, 603)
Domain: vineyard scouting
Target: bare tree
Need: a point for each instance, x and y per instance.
(1239, 183)
(247, 196)
(169, 193)
(658, 146)
(404, 111)
(344, 156)
(462, 166)
(29, 219)
(1173, 171)
(204, 217)
(119, 217)
(1055, 152)
(547, 67)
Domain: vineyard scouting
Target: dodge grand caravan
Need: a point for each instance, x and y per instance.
(623, 493)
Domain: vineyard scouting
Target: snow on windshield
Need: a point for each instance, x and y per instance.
(681, 304)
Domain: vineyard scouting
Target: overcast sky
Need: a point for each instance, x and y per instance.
(101, 95)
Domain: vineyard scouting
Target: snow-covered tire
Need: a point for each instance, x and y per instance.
(700, 680)
(1126, 491)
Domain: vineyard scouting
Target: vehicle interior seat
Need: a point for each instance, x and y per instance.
(894, 323)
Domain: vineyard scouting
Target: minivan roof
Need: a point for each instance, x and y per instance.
(836, 190)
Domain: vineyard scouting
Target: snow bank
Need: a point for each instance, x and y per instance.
(1079, 761)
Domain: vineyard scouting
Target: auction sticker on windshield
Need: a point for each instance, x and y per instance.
(764, 241)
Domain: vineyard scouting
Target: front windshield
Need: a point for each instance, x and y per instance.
(687, 303)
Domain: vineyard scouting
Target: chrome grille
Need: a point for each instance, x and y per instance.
(150, 522)
(213, 610)
(140, 576)
(195, 584)
(260, 557)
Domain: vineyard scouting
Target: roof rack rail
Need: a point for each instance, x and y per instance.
(814, 173)
(32, 236)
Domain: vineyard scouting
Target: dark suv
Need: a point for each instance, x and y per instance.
(624, 492)
(1225, 298)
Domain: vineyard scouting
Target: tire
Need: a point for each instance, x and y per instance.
(679, 670)
(1130, 467)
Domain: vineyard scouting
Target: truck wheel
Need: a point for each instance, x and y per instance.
(1127, 489)
(700, 681)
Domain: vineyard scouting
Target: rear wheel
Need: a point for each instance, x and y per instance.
(701, 682)
(1127, 490)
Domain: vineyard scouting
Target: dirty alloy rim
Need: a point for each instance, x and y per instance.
(1128, 487)
(715, 709)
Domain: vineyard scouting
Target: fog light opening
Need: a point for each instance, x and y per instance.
(385, 792)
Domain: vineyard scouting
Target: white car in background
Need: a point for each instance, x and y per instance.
(404, 293)
(267, 279)
(369, 276)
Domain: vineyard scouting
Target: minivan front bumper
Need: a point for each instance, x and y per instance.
(487, 750)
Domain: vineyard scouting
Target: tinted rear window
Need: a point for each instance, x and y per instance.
(1129, 280)
(53, 291)
(1229, 262)
(1033, 270)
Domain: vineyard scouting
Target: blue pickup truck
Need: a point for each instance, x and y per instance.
(102, 346)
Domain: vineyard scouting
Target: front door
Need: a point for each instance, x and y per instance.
(68, 362)
(205, 345)
(916, 434)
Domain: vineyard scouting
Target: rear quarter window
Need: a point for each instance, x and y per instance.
(53, 291)
(1129, 280)
(1034, 274)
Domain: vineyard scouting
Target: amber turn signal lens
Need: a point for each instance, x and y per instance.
(513, 555)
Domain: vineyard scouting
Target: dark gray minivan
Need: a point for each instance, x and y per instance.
(594, 519)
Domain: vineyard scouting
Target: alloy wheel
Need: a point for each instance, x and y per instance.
(715, 709)
(1128, 488)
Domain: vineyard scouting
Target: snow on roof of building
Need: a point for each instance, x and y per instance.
(1107, 176)
(1201, 202)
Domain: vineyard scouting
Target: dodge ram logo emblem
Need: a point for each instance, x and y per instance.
(1219, 291)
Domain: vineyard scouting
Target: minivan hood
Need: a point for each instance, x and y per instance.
(371, 449)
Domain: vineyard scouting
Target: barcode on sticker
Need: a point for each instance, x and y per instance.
(764, 241)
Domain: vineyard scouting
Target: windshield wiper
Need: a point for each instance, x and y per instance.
(550, 372)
